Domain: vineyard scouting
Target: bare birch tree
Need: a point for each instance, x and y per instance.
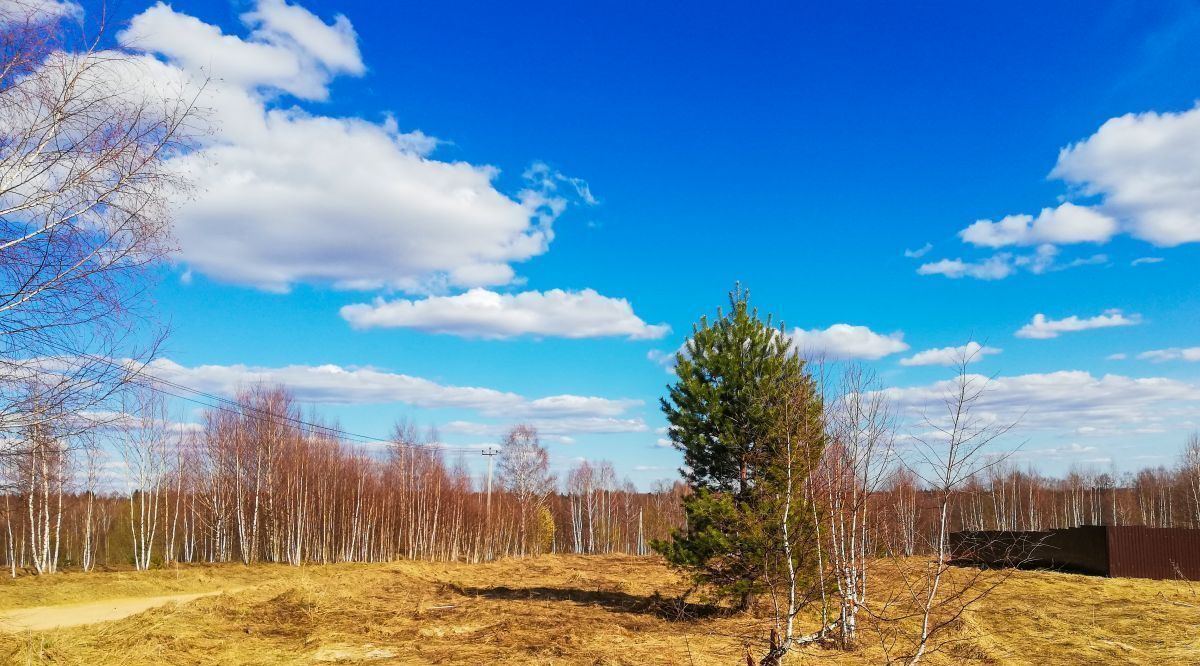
(145, 447)
(952, 449)
(86, 134)
(525, 474)
(860, 439)
(1190, 468)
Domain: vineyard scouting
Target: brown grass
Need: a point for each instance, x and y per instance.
(564, 610)
(72, 587)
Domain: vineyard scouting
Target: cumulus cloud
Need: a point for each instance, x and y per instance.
(488, 314)
(972, 351)
(1068, 400)
(1141, 175)
(1068, 223)
(288, 48)
(1171, 354)
(20, 11)
(837, 342)
(844, 341)
(1041, 328)
(283, 196)
(1146, 169)
(338, 385)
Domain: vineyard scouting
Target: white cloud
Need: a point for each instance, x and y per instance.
(337, 385)
(1074, 452)
(1040, 261)
(1003, 264)
(997, 267)
(660, 357)
(950, 355)
(552, 426)
(1073, 448)
(1146, 260)
(566, 405)
(335, 47)
(488, 314)
(1068, 223)
(283, 196)
(1141, 173)
(664, 443)
(667, 359)
(1093, 431)
(288, 48)
(1120, 356)
(1067, 400)
(549, 180)
(1041, 328)
(1171, 354)
(1093, 260)
(37, 11)
(842, 341)
(1146, 168)
(919, 252)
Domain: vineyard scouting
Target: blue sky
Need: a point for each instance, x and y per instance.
(391, 193)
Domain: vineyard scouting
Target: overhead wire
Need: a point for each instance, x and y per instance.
(156, 383)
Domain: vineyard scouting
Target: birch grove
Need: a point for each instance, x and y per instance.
(266, 482)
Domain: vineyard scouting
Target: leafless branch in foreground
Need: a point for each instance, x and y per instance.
(86, 186)
(953, 448)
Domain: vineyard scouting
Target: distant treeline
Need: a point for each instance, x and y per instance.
(1006, 498)
(258, 483)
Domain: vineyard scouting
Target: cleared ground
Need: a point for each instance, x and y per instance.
(548, 610)
(41, 618)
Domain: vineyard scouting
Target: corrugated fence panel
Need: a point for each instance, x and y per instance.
(1154, 552)
(1079, 549)
(1131, 552)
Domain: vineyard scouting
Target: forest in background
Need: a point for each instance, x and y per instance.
(260, 483)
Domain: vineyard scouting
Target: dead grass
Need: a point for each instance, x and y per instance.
(1042, 618)
(565, 610)
(77, 587)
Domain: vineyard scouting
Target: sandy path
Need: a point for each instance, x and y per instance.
(52, 617)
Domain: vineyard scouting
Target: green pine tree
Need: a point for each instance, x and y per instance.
(741, 397)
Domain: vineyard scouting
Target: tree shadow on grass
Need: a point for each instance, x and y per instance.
(667, 608)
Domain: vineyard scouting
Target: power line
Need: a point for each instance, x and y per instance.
(225, 404)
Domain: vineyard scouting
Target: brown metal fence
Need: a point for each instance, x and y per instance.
(1130, 552)
(1154, 552)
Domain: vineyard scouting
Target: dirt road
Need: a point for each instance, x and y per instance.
(40, 618)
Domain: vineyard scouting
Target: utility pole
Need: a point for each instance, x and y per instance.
(490, 452)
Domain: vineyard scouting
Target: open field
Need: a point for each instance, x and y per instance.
(551, 610)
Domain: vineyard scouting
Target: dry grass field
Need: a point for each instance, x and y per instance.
(551, 610)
